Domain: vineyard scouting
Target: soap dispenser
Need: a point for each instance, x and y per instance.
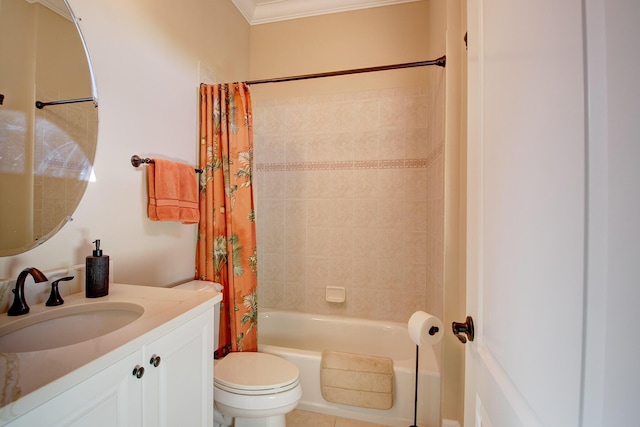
(97, 278)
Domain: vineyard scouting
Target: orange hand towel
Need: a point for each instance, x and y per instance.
(173, 192)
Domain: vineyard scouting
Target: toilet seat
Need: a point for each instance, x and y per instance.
(266, 391)
(255, 374)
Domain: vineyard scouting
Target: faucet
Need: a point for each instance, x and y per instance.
(19, 305)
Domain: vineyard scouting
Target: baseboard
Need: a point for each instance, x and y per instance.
(450, 423)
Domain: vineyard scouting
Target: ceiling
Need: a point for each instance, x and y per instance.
(264, 11)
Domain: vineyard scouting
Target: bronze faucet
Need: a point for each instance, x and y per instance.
(19, 305)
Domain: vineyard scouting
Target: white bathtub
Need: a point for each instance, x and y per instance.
(300, 338)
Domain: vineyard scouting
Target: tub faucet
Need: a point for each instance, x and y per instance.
(19, 305)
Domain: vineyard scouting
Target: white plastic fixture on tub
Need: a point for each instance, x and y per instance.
(335, 294)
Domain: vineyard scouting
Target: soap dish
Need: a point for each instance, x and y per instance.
(335, 294)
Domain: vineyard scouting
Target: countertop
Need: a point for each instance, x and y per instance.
(31, 378)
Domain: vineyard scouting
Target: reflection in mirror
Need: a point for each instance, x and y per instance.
(46, 155)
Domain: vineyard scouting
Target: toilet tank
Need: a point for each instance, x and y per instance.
(205, 286)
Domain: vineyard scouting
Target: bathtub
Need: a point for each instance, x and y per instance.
(301, 338)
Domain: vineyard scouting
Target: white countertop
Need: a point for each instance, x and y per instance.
(29, 379)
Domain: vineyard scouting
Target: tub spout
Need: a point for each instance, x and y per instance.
(19, 305)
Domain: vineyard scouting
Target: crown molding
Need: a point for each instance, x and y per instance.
(58, 6)
(280, 10)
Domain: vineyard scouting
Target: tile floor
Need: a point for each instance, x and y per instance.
(298, 418)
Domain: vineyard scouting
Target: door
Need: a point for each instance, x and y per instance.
(178, 381)
(112, 397)
(526, 213)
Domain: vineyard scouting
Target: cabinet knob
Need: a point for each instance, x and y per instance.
(155, 360)
(138, 371)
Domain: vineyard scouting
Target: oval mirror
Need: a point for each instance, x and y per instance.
(46, 153)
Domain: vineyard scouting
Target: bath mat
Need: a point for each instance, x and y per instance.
(357, 380)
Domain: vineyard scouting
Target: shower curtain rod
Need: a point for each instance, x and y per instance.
(440, 62)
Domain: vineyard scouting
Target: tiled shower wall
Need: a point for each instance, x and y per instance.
(349, 192)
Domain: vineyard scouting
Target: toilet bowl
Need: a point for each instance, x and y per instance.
(257, 389)
(250, 389)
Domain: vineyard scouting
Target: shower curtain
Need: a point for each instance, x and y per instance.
(226, 247)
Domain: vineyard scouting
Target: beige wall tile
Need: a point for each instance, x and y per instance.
(356, 202)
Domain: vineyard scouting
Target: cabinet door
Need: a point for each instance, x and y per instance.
(179, 390)
(110, 398)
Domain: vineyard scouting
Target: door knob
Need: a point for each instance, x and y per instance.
(463, 328)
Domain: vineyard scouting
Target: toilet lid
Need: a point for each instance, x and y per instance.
(252, 371)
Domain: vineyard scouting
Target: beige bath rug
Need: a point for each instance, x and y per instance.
(357, 380)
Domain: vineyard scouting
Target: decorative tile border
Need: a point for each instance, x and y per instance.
(351, 165)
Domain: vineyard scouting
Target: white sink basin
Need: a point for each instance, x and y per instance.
(62, 326)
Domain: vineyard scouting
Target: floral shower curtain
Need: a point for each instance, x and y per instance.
(226, 248)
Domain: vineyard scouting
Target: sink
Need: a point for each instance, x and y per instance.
(65, 325)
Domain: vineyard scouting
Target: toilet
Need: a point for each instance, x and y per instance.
(250, 389)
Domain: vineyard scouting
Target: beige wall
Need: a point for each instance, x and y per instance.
(364, 38)
(350, 169)
(149, 58)
(455, 209)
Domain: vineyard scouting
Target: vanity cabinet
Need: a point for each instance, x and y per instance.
(174, 389)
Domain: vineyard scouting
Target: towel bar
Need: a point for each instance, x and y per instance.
(137, 161)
